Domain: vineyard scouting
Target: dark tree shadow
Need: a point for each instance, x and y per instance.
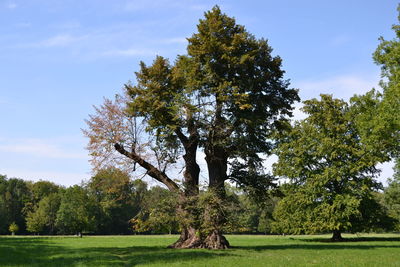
(365, 243)
(38, 252)
(351, 239)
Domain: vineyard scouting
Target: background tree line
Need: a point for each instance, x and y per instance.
(112, 203)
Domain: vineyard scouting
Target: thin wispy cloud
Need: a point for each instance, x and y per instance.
(68, 25)
(39, 148)
(342, 86)
(59, 40)
(11, 5)
(176, 40)
(23, 25)
(130, 52)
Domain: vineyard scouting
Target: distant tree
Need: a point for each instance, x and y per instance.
(38, 191)
(14, 194)
(43, 218)
(76, 212)
(3, 205)
(158, 212)
(250, 214)
(36, 221)
(226, 96)
(330, 171)
(115, 194)
(13, 228)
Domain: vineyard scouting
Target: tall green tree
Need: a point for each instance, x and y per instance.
(331, 173)
(226, 97)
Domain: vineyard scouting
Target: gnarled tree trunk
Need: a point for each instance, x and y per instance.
(189, 238)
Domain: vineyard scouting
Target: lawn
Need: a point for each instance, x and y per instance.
(364, 250)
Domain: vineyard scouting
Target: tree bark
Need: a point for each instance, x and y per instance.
(215, 240)
(189, 238)
(336, 236)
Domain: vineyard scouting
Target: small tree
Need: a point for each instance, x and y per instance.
(13, 228)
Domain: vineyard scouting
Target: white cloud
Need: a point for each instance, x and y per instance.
(130, 52)
(176, 40)
(60, 40)
(12, 6)
(40, 148)
(342, 86)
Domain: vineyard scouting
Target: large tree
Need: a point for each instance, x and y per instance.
(330, 171)
(226, 97)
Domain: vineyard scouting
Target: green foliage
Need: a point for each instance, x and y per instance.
(158, 212)
(117, 199)
(45, 215)
(331, 172)
(13, 228)
(76, 212)
(14, 194)
(228, 86)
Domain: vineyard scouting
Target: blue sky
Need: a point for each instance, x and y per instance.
(59, 58)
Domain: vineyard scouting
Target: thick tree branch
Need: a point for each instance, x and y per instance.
(181, 136)
(151, 170)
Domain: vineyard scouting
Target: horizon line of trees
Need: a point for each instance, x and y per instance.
(112, 203)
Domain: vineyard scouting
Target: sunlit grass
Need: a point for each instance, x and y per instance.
(362, 250)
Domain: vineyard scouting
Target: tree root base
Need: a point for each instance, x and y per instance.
(189, 239)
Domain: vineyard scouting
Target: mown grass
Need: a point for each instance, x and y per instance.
(365, 250)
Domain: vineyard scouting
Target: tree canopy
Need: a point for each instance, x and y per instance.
(330, 170)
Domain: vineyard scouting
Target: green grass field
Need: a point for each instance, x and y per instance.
(364, 250)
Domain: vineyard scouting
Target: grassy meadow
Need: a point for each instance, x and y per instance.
(363, 250)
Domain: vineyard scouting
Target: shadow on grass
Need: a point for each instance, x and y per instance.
(352, 239)
(41, 252)
(355, 243)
